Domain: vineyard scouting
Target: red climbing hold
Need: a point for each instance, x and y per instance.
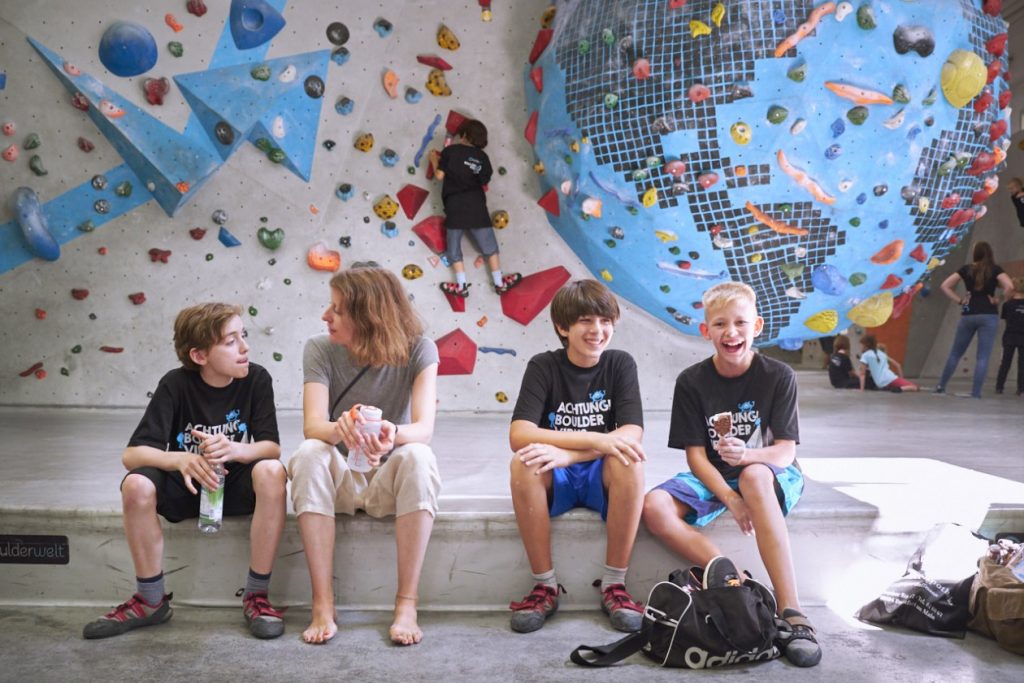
(992, 7)
(431, 231)
(540, 44)
(531, 128)
(197, 233)
(458, 303)
(532, 295)
(979, 197)
(85, 145)
(160, 255)
(892, 281)
(40, 374)
(111, 349)
(997, 44)
(454, 120)
(997, 130)
(411, 198)
(26, 373)
(137, 298)
(994, 67)
(950, 200)
(196, 7)
(79, 293)
(676, 4)
(901, 303)
(434, 61)
(549, 202)
(156, 89)
(919, 254)
(40, 314)
(457, 353)
(537, 76)
(985, 161)
(79, 101)
(959, 217)
(1004, 99)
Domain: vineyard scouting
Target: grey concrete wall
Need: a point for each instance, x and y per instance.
(487, 83)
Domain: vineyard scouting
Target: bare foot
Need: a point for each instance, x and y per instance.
(322, 627)
(405, 630)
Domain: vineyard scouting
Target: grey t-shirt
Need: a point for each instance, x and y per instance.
(388, 387)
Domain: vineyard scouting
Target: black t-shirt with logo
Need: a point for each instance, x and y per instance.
(466, 170)
(1013, 314)
(556, 394)
(839, 368)
(243, 411)
(762, 400)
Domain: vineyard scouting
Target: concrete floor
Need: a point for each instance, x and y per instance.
(212, 644)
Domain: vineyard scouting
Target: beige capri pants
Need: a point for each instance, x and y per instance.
(322, 482)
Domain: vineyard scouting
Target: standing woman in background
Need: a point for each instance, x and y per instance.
(981, 278)
(374, 353)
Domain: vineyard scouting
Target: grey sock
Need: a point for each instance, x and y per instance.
(151, 589)
(257, 583)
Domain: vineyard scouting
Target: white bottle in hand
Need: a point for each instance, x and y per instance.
(211, 504)
(357, 460)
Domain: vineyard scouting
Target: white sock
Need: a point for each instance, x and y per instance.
(496, 276)
(612, 576)
(460, 278)
(547, 578)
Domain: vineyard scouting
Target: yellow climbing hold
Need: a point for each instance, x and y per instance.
(922, 204)
(756, 258)
(873, 311)
(650, 198)
(934, 263)
(606, 276)
(446, 38)
(699, 28)
(666, 236)
(718, 13)
(962, 77)
(539, 167)
(753, 230)
(574, 147)
(823, 322)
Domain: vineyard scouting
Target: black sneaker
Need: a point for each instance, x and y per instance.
(135, 613)
(721, 572)
(796, 639)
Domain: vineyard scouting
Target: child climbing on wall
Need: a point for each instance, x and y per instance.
(877, 362)
(464, 170)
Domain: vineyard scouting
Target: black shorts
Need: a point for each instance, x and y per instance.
(174, 502)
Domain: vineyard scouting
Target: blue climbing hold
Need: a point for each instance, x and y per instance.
(3, 80)
(389, 229)
(340, 56)
(833, 152)
(791, 344)
(344, 106)
(345, 191)
(828, 280)
(389, 158)
(253, 22)
(127, 49)
(227, 239)
(412, 95)
(838, 128)
(884, 224)
(383, 27)
(861, 198)
(30, 217)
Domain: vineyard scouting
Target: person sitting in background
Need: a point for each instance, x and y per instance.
(840, 368)
(878, 363)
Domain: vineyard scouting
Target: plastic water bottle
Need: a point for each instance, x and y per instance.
(211, 505)
(357, 460)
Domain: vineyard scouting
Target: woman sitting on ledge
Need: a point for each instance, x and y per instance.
(374, 353)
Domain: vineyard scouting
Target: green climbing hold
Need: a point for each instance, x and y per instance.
(929, 100)
(411, 170)
(855, 222)
(123, 189)
(271, 239)
(276, 155)
(858, 279)
(277, 356)
(857, 115)
(209, 257)
(36, 164)
(607, 37)
(65, 372)
(77, 348)
(674, 251)
(947, 166)
(777, 114)
(787, 207)
(611, 100)
(633, 211)
(263, 219)
(287, 280)
(252, 311)
(640, 174)
(31, 141)
(264, 145)
(583, 47)
(665, 288)
(866, 17)
(792, 270)
(900, 94)
(797, 72)
(261, 72)
(502, 170)
(175, 48)
(610, 243)
(86, 226)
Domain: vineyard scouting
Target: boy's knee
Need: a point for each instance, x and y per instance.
(269, 476)
(618, 472)
(657, 508)
(757, 479)
(138, 491)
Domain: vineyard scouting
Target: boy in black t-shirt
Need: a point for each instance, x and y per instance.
(840, 368)
(464, 169)
(1013, 337)
(218, 409)
(576, 432)
(735, 414)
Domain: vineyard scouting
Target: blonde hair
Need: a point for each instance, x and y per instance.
(1018, 287)
(725, 293)
(385, 326)
(200, 327)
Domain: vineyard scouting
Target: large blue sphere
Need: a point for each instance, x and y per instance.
(810, 151)
(127, 49)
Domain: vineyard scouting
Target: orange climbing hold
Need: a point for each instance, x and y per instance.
(182, 187)
(804, 180)
(319, 257)
(805, 28)
(173, 23)
(889, 253)
(858, 95)
(391, 83)
(776, 225)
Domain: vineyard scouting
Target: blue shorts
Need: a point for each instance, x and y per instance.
(578, 485)
(704, 507)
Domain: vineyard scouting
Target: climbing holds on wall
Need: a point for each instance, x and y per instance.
(226, 238)
(127, 49)
(962, 77)
(320, 257)
(412, 272)
(383, 27)
(411, 199)
(364, 142)
(344, 106)
(11, 153)
(271, 239)
(385, 207)
(337, 33)
(253, 23)
(388, 157)
(34, 227)
(196, 7)
(437, 84)
(446, 38)
(499, 220)
(391, 83)
(434, 61)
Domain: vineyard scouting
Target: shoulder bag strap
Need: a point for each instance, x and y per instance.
(345, 391)
(606, 655)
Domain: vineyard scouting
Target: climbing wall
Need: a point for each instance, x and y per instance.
(233, 168)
